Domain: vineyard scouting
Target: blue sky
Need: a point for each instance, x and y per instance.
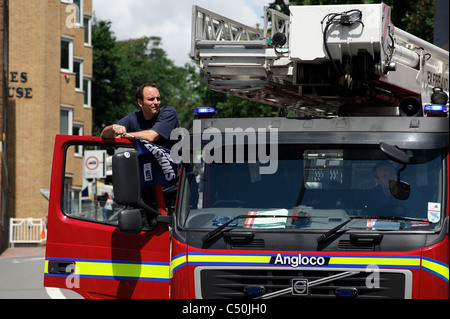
(171, 19)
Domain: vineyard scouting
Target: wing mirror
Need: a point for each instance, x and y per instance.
(127, 183)
(130, 221)
(128, 192)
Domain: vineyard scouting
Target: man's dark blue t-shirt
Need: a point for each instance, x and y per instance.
(163, 124)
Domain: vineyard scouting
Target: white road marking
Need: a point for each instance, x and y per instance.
(54, 293)
(17, 261)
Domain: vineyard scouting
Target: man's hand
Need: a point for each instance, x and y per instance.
(114, 131)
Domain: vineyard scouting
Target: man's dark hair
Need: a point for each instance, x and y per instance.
(139, 95)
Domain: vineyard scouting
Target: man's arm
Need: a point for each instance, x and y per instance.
(115, 130)
(148, 135)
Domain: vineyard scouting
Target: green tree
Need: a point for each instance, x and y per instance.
(108, 82)
(121, 66)
(414, 16)
(146, 61)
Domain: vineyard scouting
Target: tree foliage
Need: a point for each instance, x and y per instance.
(120, 67)
(108, 82)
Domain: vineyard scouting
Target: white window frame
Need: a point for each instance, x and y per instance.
(80, 15)
(79, 86)
(70, 69)
(69, 120)
(78, 148)
(88, 27)
(88, 93)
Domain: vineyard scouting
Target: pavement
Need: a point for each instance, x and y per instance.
(23, 251)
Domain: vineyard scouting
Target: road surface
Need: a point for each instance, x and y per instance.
(22, 275)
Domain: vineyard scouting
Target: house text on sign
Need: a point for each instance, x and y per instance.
(19, 91)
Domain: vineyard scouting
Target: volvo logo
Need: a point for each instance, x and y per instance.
(300, 287)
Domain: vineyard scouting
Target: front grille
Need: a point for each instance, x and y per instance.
(218, 283)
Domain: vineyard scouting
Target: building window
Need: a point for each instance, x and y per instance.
(87, 23)
(78, 70)
(79, 10)
(87, 87)
(66, 55)
(79, 16)
(65, 121)
(75, 8)
(77, 130)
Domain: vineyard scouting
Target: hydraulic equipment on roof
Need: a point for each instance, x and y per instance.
(345, 60)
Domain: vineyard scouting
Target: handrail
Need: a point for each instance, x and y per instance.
(279, 23)
(210, 26)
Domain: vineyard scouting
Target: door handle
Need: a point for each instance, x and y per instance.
(61, 267)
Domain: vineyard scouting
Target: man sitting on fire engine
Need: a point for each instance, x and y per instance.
(152, 123)
(382, 202)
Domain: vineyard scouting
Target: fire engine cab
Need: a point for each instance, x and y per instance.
(343, 195)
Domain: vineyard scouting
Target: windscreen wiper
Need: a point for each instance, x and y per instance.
(221, 228)
(332, 231)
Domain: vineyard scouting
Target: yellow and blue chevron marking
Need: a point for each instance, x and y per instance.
(178, 261)
(409, 262)
(115, 269)
(162, 271)
(341, 261)
(435, 267)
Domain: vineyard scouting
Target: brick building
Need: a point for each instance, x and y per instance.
(3, 101)
(49, 84)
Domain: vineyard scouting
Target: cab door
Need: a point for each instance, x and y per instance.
(86, 252)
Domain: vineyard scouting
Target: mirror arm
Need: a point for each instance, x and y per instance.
(399, 171)
(147, 208)
(164, 219)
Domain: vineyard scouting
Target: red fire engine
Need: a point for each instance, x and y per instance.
(344, 195)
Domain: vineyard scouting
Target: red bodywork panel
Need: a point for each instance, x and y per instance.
(108, 263)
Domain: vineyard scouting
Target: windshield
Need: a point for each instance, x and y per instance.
(315, 188)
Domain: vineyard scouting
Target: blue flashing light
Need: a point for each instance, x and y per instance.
(204, 112)
(435, 108)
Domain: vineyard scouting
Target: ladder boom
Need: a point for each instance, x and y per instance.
(322, 61)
